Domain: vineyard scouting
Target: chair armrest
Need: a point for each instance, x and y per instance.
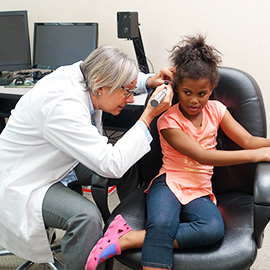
(99, 188)
(262, 184)
(261, 201)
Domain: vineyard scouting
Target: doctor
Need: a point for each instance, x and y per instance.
(55, 126)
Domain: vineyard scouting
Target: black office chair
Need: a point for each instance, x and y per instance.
(242, 191)
(56, 265)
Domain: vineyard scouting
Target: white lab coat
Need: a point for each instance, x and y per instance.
(48, 133)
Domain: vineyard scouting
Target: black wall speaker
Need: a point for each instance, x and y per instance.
(127, 25)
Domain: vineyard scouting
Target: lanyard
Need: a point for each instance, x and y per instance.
(91, 108)
(97, 123)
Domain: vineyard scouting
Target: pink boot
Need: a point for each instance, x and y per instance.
(108, 246)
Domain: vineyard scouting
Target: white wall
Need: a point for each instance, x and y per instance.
(240, 29)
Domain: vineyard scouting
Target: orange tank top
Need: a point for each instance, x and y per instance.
(187, 178)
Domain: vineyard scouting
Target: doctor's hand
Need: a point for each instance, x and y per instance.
(151, 112)
(165, 74)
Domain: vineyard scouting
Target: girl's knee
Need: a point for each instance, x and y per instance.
(219, 229)
(159, 223)
(213, 231)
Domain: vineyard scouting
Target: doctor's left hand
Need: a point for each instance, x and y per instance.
(165, 74)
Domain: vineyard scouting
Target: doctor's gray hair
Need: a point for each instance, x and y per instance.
(107, 66)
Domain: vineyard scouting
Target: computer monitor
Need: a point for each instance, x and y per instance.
(14, 41)
(59, 44)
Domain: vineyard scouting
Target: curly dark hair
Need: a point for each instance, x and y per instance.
(194, 59)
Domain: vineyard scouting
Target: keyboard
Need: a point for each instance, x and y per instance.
(6, 81)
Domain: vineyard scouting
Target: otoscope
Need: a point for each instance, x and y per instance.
(157, 99)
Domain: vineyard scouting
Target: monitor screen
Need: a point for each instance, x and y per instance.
(14, 41)
(59, 44)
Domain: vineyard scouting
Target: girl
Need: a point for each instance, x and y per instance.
(188, 132)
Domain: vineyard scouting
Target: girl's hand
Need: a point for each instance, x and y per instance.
(262, 154)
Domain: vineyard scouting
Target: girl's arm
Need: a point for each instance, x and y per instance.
(241, 136)
(183, 143)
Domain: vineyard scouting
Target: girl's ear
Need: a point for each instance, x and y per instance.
(213, 87)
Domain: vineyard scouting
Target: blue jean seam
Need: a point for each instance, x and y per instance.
(157, 265)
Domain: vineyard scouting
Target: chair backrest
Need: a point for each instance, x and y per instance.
(242, 96)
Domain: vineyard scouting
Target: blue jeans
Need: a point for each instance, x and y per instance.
(199, 223)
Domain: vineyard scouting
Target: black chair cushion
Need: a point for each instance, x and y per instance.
(237, 248)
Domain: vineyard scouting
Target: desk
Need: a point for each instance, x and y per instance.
(122, 122)
(8, 99)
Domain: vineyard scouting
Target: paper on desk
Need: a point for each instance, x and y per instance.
(26, 84)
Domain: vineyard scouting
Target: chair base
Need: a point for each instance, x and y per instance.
(56, 265)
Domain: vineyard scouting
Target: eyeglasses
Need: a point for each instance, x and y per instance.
(129, 92)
